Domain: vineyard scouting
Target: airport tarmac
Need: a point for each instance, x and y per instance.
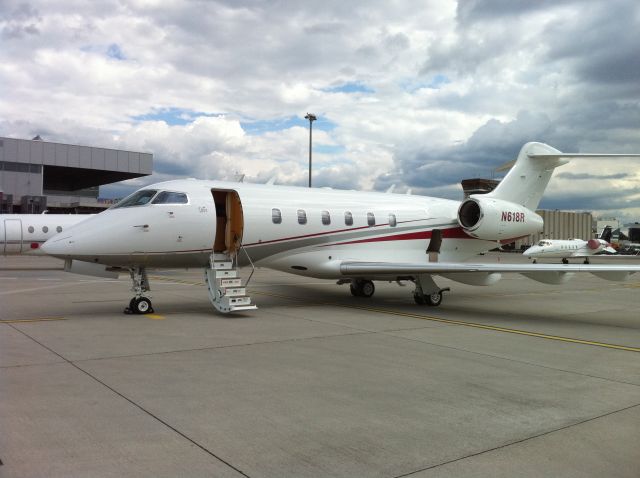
(516, 379)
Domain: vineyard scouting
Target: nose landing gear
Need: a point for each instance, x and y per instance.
(139, 304)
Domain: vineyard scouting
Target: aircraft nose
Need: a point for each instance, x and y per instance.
(59, 246)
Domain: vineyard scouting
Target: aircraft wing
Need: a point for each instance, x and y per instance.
(606, 271)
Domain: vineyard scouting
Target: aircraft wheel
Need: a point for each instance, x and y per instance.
(565, 261)
(354, 290)
(434, 299)
(367, 288)
(142, 306)
(419, 299)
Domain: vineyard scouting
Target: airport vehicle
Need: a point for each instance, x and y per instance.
(570, 248)
(25, 233)
(349, 236)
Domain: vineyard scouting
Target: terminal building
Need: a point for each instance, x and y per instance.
(38, 175)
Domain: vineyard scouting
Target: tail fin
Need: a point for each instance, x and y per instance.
(528, 178)
(606, 234)
(525, 183)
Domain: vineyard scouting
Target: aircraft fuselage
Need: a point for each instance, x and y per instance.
(298, 230)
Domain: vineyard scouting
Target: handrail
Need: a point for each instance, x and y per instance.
(253, 268)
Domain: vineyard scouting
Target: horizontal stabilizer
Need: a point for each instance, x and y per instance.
(583, 156)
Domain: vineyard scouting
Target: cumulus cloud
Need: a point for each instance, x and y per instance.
(416, 97)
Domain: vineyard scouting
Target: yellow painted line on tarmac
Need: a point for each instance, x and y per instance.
(463, 323)
(38, 319)
(503, 329)
(155, 316)
(475, 325)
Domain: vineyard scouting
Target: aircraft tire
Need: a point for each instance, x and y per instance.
(419, 299)
(142, 306)
(355, 291)
(434, 299)
(367, 288)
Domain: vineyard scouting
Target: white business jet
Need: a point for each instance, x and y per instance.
(566, 249)
(352, 237)
(25, 233)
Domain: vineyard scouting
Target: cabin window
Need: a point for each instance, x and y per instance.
(326, 218)
(31, 230)
(139, 198)
(59, 229)
(348, 218)
(45, 229)
(170, 197)
(302, 216)
(371, 219)
(392, 220)
(276, 216)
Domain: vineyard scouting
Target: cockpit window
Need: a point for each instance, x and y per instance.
(544, 243)
(170, 197)
(139, 198)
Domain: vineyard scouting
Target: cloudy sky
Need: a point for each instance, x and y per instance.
(414, 94)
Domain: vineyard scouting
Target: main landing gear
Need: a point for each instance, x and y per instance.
(139, 304)
(434, 299)
(427, 291)
(362, 288)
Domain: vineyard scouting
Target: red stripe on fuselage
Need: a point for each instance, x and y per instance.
(452, 233)
(326, 233)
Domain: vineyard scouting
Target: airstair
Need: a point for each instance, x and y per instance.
(224, 283)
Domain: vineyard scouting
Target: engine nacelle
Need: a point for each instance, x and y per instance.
(593, 244)
(496, 219)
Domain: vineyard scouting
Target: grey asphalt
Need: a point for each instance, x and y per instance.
(516, 379)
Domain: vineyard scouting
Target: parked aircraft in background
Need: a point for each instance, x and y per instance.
(352, 237)
(25, 233)
(570, 248)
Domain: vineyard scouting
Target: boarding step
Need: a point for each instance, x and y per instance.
(237, 282)
(227, 301)
(226, 274)
(225, 286)
(243, 307)
(235, 291)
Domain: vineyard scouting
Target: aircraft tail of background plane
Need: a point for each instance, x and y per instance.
(606, 234)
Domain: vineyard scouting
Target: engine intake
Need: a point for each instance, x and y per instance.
(496, 219)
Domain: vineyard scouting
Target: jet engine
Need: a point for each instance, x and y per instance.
(593, 244)
(495, 219)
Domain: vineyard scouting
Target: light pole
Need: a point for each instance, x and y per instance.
(311, 119)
